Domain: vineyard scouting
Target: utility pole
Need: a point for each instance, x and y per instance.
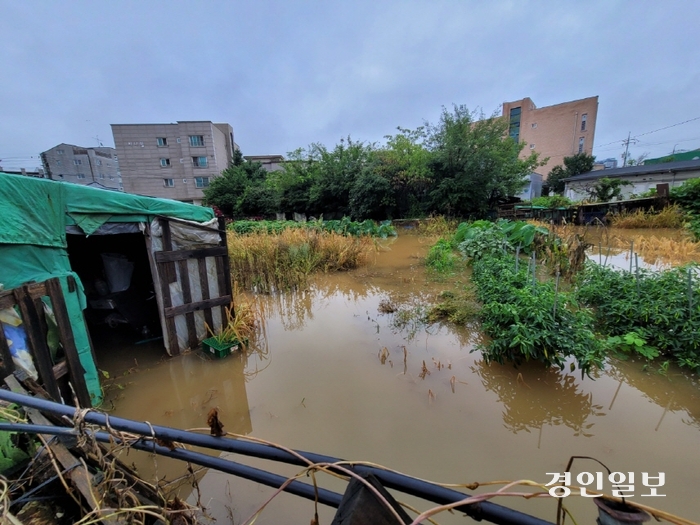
(627, 146)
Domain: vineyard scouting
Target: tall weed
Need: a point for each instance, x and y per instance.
(668, 217)
(267, 262)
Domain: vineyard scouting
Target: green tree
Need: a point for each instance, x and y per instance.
(371, 197)
(404, 163)
(607, 189)
(241, 190)
(474, 163)
(335, 174)
(574, 165)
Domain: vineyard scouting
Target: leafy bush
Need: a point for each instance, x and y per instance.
(440, 256)
(480, 242)
(529, 320)
(485, 237)
(552, 201)
(662, 308)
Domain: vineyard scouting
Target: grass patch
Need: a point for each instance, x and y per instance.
(267, 262)
(459, 308)
(437, 226)
(669, 217)
(441, 257)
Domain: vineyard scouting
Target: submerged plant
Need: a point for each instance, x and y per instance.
(266, 262)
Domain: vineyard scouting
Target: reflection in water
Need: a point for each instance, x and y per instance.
(321, 386)
(534, 396)
(675, 390)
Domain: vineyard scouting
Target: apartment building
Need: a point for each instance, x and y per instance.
(86, 166)
(174, 161)
(556, 131)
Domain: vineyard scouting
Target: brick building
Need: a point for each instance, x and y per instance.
(174, 161)
(556, 131)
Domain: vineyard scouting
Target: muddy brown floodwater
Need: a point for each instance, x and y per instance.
(319, 384)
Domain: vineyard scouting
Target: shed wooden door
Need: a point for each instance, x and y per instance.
(188, 272)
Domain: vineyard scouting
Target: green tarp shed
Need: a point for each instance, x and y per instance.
(34, 214)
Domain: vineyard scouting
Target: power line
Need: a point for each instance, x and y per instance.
(623, 141)
(667, 127)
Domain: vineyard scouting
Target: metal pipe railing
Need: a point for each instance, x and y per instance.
(486, 510)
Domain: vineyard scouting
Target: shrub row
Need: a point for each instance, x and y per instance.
(343, 227)
(528, 320)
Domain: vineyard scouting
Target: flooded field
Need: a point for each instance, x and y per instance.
(426, 405)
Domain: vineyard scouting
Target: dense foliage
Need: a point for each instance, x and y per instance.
(341, 227)
(574, 165)
(529, 320)
(661, 308)
(463, 165)
(688, 197)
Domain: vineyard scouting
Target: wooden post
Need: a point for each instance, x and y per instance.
(76, 371)
(37, 341)
(167, 270)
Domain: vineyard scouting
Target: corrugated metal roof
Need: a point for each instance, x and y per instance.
(666, 167)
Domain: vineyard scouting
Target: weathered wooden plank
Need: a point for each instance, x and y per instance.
(187, 300)
(65, 333)
(221, 281)
(37, 341)
(204, 285)
(7, 299)
(60, 369)
(164, 278)
(80, 478)
(195, 307)
(168, 269)
(37, 290)
(8, 365)
(226, 263)
(199, 253)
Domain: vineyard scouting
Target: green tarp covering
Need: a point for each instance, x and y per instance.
(33, 218)
(36, 211)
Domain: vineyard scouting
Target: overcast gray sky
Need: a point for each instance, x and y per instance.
(288, 73)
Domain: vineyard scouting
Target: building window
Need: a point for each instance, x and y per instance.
(162, 141)
(59, 151)
(196, 140)
(169, 183)
(58, 162)
(81, 176)
(77, 162)
(584, 118)
(199, 162)
(201, 182)
(99, 162)
(164, 163)
(514, 127)
(534, 125)
(532, 146)
(102, 175)
(581, 143)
